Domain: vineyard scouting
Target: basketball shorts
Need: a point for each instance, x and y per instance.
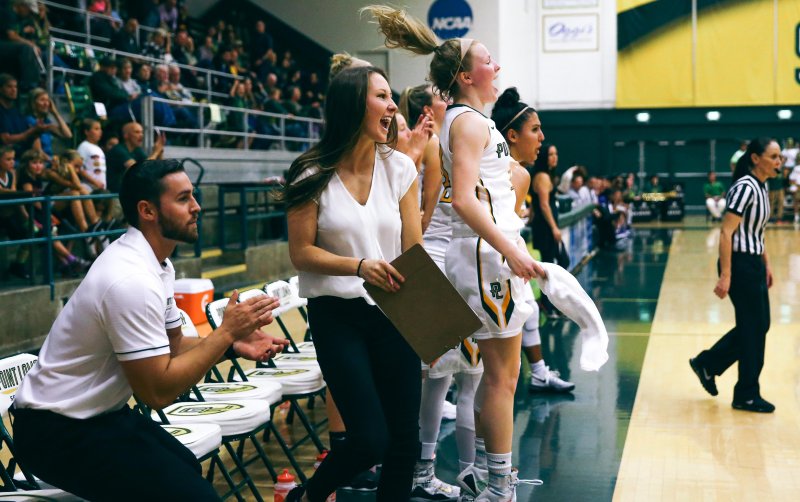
(482, 277)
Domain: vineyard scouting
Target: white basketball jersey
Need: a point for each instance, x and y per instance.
(439, 226)
(494, 189)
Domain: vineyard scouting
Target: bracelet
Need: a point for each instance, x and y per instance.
(358, 270)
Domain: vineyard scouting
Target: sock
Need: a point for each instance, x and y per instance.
(480, 453)
(427, 451)
(71, 259)
(539, 369)
(336, 438)
(499, 471)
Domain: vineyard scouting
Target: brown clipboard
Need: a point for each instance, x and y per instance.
(427, 311)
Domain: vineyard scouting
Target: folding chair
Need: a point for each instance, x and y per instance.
(296, 383)
(12, 476)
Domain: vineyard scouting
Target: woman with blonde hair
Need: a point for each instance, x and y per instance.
(42, 109)
(486, 259)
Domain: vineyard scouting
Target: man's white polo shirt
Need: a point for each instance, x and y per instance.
(118, 313)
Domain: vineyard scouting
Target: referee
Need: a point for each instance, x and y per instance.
(745, 274)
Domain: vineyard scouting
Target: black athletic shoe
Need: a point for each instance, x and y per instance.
(706, 380)
(758, 405)
(296, 495)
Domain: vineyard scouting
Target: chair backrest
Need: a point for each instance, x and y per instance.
(12, 370)
(187, 326)
(287, 296)
(215, 311)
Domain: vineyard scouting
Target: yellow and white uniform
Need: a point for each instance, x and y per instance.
(466, 357)
(479, 273)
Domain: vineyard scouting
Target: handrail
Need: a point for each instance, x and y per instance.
(138, 57)
(203, 130)
(47, 237)
(87, 15)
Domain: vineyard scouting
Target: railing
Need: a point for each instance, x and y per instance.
(312, 127)
(47, 238)
(206, 93)
(86, 35)
(273, 209)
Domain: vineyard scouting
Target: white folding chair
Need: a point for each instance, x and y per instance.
(296, 384)
(23, 484)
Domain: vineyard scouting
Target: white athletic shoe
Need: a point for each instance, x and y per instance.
(448, 410)
(551, 382)
(510, 495)
(428, 487)
(472, 481)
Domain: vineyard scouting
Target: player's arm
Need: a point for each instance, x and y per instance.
(431, 180)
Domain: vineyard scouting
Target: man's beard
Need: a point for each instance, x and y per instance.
(174, 231)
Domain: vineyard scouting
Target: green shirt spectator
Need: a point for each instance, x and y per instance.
(715, 189)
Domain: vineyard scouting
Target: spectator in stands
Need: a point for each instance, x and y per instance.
(128, 152)
(575, 187)
(63, 180)
(158, 47)
(619, 212)
(14, 129)
(31, 180)
(183, 49)
(101, 26)
(109, 142)
(292, 101)
(125, 76)
(148, 10)
(714, 193)
(28, 24)
(93, 172)
(12, 218)
(206, 53)
(654, 185)
(144, 78)
(260, 44)
(224, 64)
(314, 90)
(271, 84)
(126, 40)
(107, 89)
(285, 68)
(168, 14)
(19, 55)
(177, 89)
(631, 192)
(42, 109)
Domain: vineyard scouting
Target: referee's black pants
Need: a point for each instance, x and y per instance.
(374, 378)
(745, 342)
(117, 456)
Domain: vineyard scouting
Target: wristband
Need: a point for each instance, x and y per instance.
(230, 353)
(358, 270)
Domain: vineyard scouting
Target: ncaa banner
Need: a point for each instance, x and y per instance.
(450, 18)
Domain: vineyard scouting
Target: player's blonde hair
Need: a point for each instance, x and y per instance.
(403, 31)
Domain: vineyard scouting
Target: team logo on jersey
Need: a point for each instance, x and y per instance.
(495, 289)
(204, 409)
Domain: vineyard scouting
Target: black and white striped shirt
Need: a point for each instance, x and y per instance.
(749, 199)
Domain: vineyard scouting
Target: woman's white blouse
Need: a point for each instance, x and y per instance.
(372, 230)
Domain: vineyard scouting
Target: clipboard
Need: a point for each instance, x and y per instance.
(427, 311)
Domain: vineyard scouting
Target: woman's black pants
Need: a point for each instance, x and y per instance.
(374, 378)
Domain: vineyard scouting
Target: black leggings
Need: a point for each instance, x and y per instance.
(746, 341)
(121, 455)
(374, 377)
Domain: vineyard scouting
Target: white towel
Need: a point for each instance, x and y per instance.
(564, 291)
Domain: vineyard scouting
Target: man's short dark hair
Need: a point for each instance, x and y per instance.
(143, 182)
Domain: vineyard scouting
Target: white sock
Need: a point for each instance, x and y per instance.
(539, 369)
(480, 454)
(499, 469)
(427, 451)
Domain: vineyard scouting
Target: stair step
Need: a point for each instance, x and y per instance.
(258, 285)
(225, 271)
